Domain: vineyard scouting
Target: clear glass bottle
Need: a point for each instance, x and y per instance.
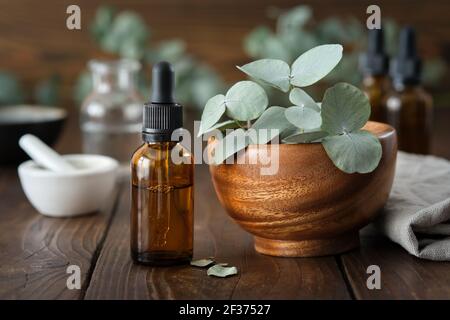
(111, 115)
(162, 178)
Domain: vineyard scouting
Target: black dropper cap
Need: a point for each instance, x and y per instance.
(374, 61)
(406, 67)
(162, 115)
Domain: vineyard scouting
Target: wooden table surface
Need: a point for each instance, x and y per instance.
(35, 252)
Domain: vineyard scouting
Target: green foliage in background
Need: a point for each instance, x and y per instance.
(336, 122)
(126, 35)
(296, 31)
(45, 92)
(11, 91)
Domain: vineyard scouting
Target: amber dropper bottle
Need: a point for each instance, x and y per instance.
(374, 65)
(162, 193)
(408, 106)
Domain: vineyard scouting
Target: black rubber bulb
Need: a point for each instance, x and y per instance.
(407, 43)
(376, 42)
(163, 83)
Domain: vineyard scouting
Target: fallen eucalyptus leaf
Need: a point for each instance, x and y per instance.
(345, 108)
(202, 263)
(271, 71)
(229, 145)
(300, 98)
(303, 117)
(352, 152)
(221, 271)
(305, 137)
(213, 111)
(273, 120)
(315, 64)
(246, 100)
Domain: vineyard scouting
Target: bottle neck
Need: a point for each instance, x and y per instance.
(161, 145)
(123, 80)
(370, 79)
(401, 86)
(116, 75)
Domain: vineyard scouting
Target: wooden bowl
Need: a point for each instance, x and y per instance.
(309, 207)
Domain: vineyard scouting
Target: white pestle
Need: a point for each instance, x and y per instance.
(43, 155)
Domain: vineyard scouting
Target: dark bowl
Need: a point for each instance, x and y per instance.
(15, 121)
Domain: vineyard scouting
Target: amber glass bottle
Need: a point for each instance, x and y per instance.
(374, 65)
(408, 106)
(162, 194)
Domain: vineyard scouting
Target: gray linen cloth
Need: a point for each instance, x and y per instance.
(417, 214)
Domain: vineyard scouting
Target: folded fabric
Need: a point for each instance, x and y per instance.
(417, 214)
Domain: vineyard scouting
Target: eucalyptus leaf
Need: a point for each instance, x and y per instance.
(228, 124)
(271, 71)
(229, 145)
(127, 35)
(170, 50)
(300, 98)
(202, 263)
(303, 117)
(221, 271)
(102, 21)
(352, 152)
(246, 100)
(254, 42)
(305, 137)
(315, 64)
(273, 121)
(274, 48)
(345, 108)
(288, 131)
(214, 109)
(293, 19)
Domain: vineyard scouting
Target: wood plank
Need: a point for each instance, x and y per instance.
(116, 277)
(403, 276)
(36, 250)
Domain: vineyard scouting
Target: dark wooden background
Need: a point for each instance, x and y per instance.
(34, 41)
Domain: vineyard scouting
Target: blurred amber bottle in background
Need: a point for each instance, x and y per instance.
(408, 105)
(374, 65)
